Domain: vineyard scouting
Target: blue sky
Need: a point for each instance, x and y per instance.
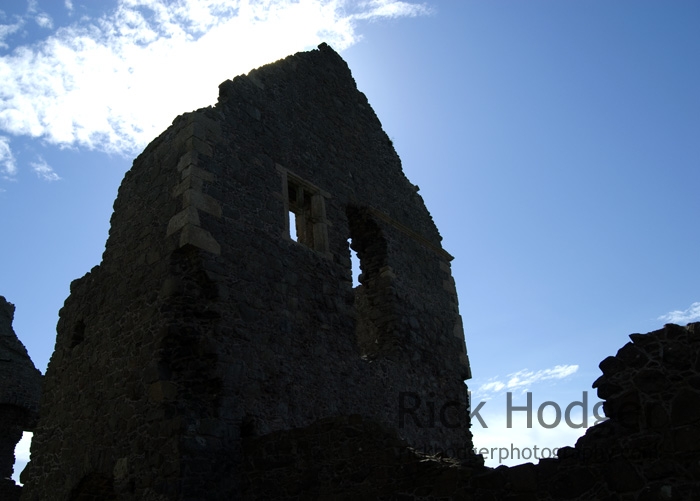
(555, 144)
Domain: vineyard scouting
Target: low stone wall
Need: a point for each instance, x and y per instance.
(649, 448)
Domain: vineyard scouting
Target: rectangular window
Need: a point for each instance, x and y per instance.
(306, 209)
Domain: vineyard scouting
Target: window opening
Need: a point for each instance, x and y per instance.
(22, 455)
(307, 214)
(376, 327)
(354, 265)
(293, 226)
(301, 212)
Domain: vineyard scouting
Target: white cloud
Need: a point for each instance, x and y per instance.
(114, 83)
(69, 5)
(523, 379)
(8, 29)
(8, 167)
(44, 20)
(44, 171)
(389, 8)
(682, 317)
(493, 386)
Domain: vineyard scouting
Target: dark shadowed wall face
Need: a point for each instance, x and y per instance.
(224, 305)
(20, 391)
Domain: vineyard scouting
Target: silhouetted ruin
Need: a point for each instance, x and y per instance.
(221, 351)
(20, 389)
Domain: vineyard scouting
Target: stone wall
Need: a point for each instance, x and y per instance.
(20, 390)
(220, 349)
(649, 449)
(210, 320)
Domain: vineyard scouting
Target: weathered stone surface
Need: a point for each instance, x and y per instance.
(685, 407)
(657, 458)
(611, 366)
(20, 381)
(20, 390)
(651, 381)
(217, 353)
(210, 314)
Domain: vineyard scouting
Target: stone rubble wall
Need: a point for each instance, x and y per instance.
(213, 355)
(206, 323)
(20, 391)
(20, 380)
(649, 449)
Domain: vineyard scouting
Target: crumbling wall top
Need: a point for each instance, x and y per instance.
(20, 381)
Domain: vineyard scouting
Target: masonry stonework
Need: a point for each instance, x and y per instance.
(220, 350)
(20, 390)
(210, 319)
(648, 449)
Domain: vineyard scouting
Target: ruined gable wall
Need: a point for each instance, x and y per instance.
(305, 115)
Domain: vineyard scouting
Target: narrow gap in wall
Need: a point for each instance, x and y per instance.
(22, 455)
(293, 226)
(355, 265)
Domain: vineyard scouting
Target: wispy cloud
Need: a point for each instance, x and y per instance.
(44, 171)
(524, 379)
(8, 167)
(115, 82)
(44, 20)
(682, 316)
(8, 29)
(389, 8)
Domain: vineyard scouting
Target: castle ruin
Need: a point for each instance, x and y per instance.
(20, 390)
(220, 350)
(224, 305)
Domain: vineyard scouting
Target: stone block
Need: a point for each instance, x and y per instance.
(193, 198)
(193, 182)
(188, 159)
(162, 391)
(194, 235)
(192, 171)
(187, 216)
(685, 408)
